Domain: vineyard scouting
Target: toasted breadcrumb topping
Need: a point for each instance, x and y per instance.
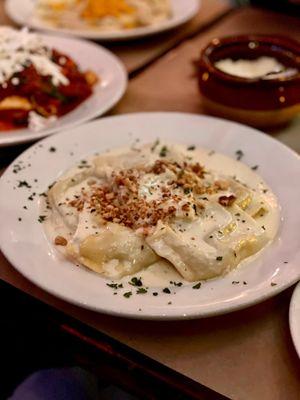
(119, 199)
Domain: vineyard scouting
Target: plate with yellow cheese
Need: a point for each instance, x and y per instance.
(103, 19)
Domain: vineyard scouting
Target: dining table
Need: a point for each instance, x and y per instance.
(244, 355)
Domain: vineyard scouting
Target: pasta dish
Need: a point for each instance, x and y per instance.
(120, 212)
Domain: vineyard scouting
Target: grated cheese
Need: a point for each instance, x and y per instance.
(19, 48)
(103, 8)
(37, 122)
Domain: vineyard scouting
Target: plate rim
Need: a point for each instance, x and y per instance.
(32, 136)
(292, 318)
(197, 314)
(108, 37)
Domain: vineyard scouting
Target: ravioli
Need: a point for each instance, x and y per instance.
(128, 209)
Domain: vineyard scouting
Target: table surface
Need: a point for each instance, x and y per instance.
(244, 355)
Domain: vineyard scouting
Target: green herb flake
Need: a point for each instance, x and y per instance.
(178, 284)
(239, 154)
(166, 290)
(141, 291)
(219, 258)
(163, 151)
(127, 294)
(191, 148)
(197, 286)
(112, 285)
(136, 281)
(155, 294)
(41, 218)
(24, 184)
(155, 144)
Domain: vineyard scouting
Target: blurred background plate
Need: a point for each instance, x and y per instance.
(21, 11)
(106, 93)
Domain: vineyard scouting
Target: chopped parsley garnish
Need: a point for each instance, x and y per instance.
(155, 294)
(197, 286)
(163, 151)
(263, 227)
(155, 144)
(141, 291)
(115, 285)
(112, 285)
(127, 294)
(178, 284)
(41, 218)
(136, 281)
(24, 184)
(52, 184)
(166, 290)
(219, 258)
(191, 148)
(239, 155)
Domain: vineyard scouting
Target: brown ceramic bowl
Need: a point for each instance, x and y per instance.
(255, 101)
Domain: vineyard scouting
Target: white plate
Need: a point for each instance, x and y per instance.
(294, 317)
(25, 245)
(106, 93)
(21, 11)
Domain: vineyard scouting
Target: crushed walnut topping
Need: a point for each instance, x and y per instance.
(227, 201)
(60, 241)
(120, 200)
